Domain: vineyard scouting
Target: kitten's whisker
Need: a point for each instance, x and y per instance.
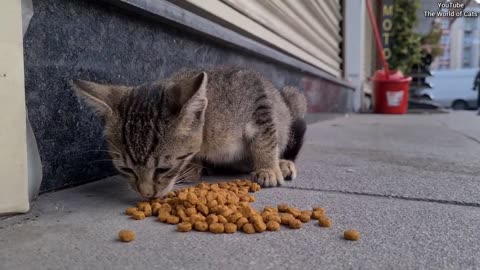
(106, 151)
(116, 148)
(100, 160)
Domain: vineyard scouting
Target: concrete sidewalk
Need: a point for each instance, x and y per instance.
(408, 183)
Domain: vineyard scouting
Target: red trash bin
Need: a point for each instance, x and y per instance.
(390, 95)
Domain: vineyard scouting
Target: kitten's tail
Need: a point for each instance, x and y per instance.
(295, 100)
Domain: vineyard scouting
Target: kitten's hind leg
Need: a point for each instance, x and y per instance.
(289, 171)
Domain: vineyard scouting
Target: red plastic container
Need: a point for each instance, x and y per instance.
(390, 95)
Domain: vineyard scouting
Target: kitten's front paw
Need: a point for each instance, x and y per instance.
(268, 177)
(288, 169)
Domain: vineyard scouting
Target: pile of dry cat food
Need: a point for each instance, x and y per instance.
(225, 208)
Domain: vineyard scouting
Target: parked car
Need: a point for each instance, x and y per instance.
(452, 89)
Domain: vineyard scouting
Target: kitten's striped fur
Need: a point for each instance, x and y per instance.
(170, 130)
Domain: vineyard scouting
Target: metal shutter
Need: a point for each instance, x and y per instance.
(308, 30)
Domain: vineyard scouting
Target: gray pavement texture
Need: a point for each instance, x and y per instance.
(408, 183)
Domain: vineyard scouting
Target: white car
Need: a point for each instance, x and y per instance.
(452, 89)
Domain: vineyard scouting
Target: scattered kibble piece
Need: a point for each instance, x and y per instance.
(130, 210)
(282, 208)
(138, 215)
(317, 214)
(295, 224)
(273, 225)
(201, 226)
(184, 227)
(230, 228)
(304, 217)
(248, 228)
(126, 235)
(241, 221)
(216, 228)
(325, 221)
(147, 210)
(351, 235)
(173, 220)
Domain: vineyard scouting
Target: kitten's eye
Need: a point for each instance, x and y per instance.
(126, 170)
(161, 170)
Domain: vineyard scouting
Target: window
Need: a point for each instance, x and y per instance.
(467, 54)
(467, 38)
(466, 64)
(445, 39)
(445, 24)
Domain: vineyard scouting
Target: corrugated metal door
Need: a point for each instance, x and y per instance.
(309, 30)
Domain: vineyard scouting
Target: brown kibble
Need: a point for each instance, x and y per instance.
(163, 215)
(274, 218)
(211, 195)
(325, 221)
(222, 219)
(211, 204)
(192, 198)
(282, 208)
(226, 212)
(248, 228)
(351, 235)
(147, 210)
(141, 205)
(171, 194)
(295, 224)
(273, 226)
(155, 208)
(317, 214)
(197, 217)
(260, 226)
(212, 218)
(202, 208)
(202, 200)
(201, 226)
(129, 211)
(126, 235)
(304, 217)
(190, 211)
(173, 220)
(216, 228)
(184, 227)
(166, 207)
(138, 215)
(251, 198)
(234, 217)
(230, 228)
(224, 185)
(270, 209)
(214, 187)
(294, 211)
(255, 218)
(182, 196)
(241, 221)
(203, 186)
(285, 218)
(321, 209)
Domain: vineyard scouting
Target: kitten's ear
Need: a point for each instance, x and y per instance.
(102, 98)
(193, 99)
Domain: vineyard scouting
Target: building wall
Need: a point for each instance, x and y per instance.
(94, 41)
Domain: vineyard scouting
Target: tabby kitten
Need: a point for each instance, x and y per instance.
(168, 131)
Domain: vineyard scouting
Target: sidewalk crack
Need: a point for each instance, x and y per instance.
(392, 196)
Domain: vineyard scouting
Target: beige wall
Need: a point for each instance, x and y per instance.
(13, 170)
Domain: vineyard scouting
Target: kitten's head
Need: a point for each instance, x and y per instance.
(152, 130)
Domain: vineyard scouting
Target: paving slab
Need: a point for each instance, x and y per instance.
(77, 228)
(429, 157)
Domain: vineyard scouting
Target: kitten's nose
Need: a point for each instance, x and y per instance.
(146, 190)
